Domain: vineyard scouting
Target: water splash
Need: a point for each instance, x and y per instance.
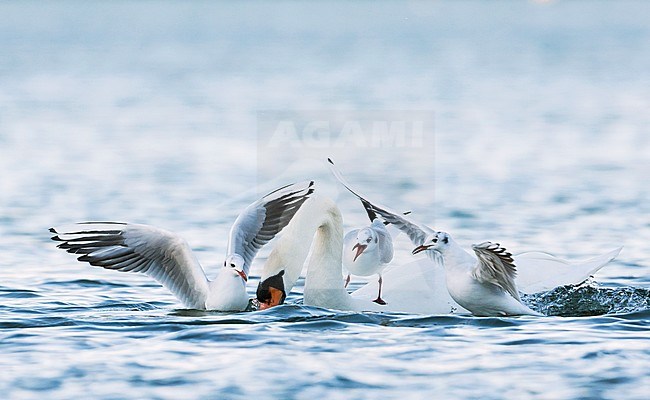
(589, 299)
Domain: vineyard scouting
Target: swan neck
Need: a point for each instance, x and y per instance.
(324, 266)
(324, 282)
(316, 226)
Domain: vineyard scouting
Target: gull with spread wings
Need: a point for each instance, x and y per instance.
(168, 259)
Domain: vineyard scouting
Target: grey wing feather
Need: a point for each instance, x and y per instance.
(385, 242)
(496, 266)
(160, 254)
(416, 233)
(262, 220)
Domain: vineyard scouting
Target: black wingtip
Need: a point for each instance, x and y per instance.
(52, 230)
(311, 183)
(404, 213)
(56, 238)
(329, 160)
(310, 189)
(368, 207)
(101, 223)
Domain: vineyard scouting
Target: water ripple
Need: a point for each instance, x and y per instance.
(541, 143)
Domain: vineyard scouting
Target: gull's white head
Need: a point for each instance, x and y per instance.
(367, 240)
(235, 263)
(438, 242)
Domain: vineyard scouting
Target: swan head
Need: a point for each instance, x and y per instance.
(270, 291)
(437, 242)
(367, 240)
(235, 263)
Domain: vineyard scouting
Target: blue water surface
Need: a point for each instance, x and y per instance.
(149, 112)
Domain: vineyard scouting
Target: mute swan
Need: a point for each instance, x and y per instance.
(317, 226)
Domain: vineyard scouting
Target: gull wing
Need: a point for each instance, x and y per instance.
(160, 254)
(416, 233)
(495, 265)
(385, 241)
(262, 220)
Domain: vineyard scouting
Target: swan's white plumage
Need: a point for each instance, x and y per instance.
(538, 271)
(416, 287)
(419, 286)
(315, 234)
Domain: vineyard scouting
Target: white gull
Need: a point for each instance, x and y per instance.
(168, 259)
(485, 284)
(420, 286)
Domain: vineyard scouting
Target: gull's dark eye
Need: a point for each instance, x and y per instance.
(368, 240)
(434, 240)
(232, 265)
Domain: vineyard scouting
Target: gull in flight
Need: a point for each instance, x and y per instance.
(168, 259)
(484, 284)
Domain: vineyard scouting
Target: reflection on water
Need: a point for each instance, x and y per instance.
(148, 112)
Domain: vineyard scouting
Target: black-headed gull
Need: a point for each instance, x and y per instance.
(366, 251)
(417, 287)
(168, 259)
(484, 284)
(537, 271)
